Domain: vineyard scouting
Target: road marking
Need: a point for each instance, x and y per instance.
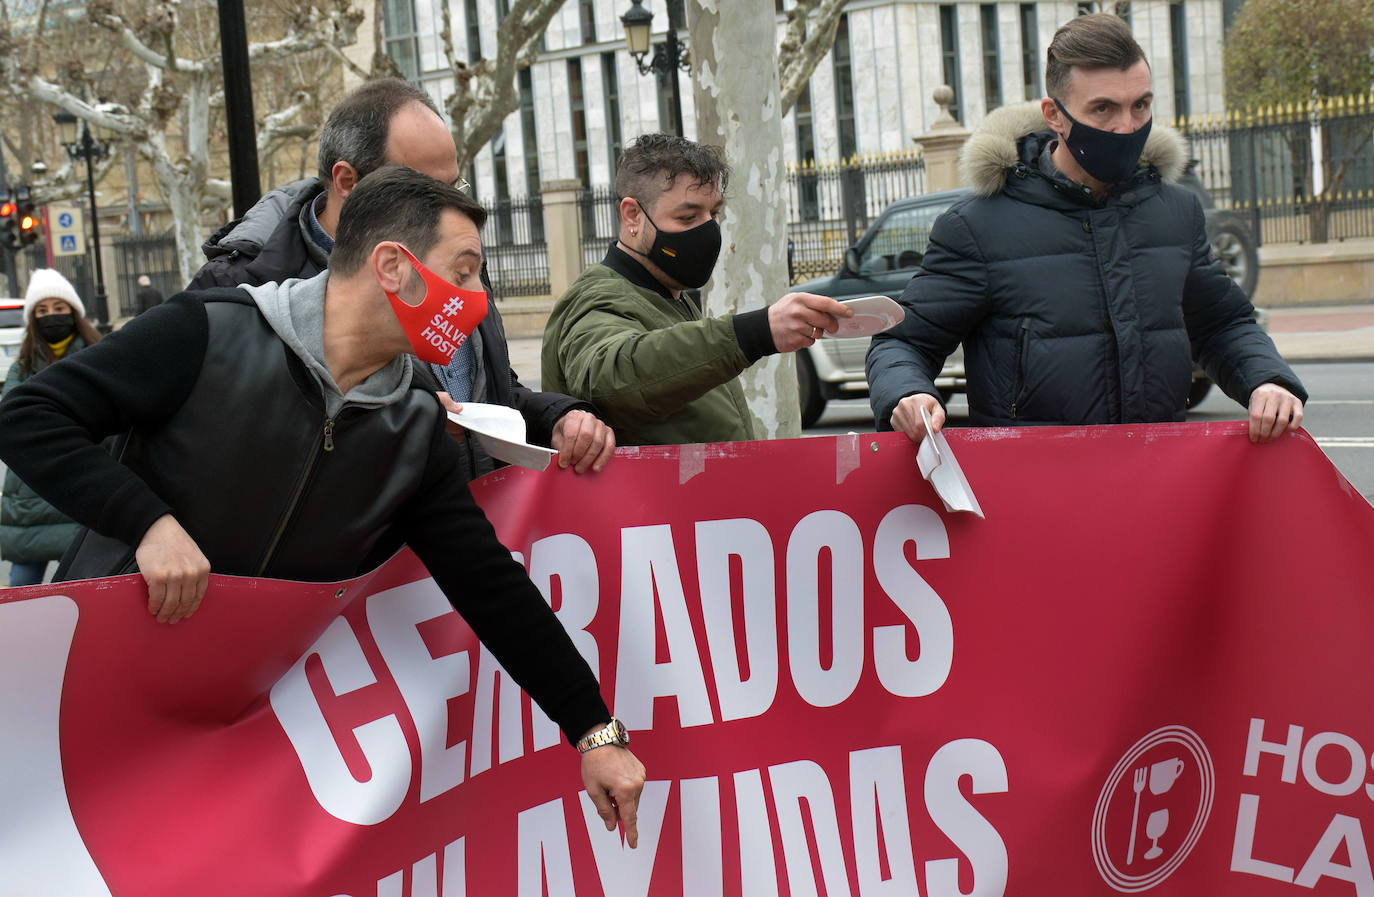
(1346, 442)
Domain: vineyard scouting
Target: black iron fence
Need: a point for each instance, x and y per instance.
(830, 205)
(1300, 173)
(155, 256)
(516, 248)
(598, 212)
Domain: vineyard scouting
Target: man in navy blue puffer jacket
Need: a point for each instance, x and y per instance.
(1079, 279)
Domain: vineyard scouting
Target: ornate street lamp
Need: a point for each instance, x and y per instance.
(669, 57)
(77, 141)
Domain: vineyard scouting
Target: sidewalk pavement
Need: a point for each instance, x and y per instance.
(1302, 333)
(1324, 332)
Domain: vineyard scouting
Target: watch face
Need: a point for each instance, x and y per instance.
(621, 735)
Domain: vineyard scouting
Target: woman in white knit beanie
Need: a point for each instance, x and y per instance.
(33, 532)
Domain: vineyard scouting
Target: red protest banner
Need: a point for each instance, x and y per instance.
(1136, 674)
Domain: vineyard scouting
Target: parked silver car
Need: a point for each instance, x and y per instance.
(887, 256)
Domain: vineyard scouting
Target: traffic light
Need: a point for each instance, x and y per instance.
(9, 222)
(28, 223)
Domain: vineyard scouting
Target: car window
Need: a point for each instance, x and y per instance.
(900, 240)
(12, 317)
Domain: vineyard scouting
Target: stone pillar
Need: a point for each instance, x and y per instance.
(940, 145)
(563, 233)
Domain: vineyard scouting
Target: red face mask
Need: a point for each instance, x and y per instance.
(443, 320)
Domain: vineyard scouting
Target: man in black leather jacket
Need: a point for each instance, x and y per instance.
(275, 431)
(1079, 280)
(289, 233)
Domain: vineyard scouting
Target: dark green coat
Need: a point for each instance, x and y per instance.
(658, 371)
(31, 530)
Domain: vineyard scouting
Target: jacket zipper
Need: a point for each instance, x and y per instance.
(1021, 346)
(326, 445)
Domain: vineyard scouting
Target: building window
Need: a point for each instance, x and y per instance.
(949, 46)
(1178, 37)
(992, 61)
(578, 109)
(531, 140)
(808, 191)
(844, 91)
(402, 41)
(611, 83)
(1030, 52)
(586, 10)
(474, 31)
(504, 224)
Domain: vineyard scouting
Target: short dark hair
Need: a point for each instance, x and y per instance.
(357, 129)
(651, 163)
(395, 203)
(1095, 41)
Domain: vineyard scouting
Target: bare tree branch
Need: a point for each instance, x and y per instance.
(174, 102)
(811, 29)
(485, 92)
(104, 16)
(277, 126)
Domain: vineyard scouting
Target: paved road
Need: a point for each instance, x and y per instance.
(1340, 415)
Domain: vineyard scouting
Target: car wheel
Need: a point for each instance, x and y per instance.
(808, 390)
(1235, 248)
(1198, 391)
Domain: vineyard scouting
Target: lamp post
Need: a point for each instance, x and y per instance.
(669, 57)
(82, 146)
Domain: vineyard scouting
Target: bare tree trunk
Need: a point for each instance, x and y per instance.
(738, 106)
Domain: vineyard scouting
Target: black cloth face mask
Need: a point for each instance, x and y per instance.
(1108, 157)
(687, 256)
(55, 328)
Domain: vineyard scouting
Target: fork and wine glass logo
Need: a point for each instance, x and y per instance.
(1152, 809)
(1162, 776)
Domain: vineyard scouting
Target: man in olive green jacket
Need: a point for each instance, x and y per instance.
(626, 338)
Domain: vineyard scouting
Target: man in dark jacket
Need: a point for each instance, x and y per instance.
(1078, 278)
(289, 233)
(274, 431)
(147, 295)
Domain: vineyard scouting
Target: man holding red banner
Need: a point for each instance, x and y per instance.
(275, 431)
(1079, 280)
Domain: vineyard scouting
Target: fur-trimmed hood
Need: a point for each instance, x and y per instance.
(993, 148)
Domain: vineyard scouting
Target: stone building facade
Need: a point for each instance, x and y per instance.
(584, 97)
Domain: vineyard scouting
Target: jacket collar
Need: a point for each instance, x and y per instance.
(628, 267)
(1010, 134)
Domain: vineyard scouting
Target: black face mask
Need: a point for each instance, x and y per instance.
(687, 256)
(1108, 157)
(55, 328)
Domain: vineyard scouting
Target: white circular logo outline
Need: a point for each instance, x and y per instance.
(1189, 740)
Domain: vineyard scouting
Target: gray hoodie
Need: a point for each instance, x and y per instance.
(295, 311)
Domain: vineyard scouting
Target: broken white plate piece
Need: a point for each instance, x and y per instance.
(872, 314)
(500, 430)
(938, 467)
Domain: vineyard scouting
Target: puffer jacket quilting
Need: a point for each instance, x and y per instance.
(1071, 310)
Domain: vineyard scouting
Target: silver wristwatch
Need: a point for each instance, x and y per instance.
(613, 732)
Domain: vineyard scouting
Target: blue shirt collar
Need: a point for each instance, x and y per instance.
(325, 241)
